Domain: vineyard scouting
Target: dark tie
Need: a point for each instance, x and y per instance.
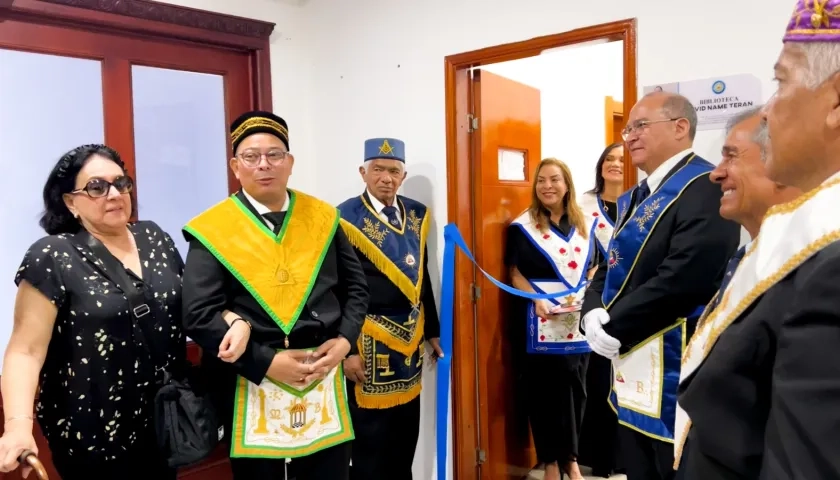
(276, 218)
(730, 270)
(642, 192)
(391, 213)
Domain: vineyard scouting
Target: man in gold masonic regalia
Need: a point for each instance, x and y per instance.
(277, 258)
(389, 233)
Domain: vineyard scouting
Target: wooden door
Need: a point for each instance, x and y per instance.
(128, 112)
(613, 120)
(508, 120)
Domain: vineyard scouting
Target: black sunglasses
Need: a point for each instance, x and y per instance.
(99, 187)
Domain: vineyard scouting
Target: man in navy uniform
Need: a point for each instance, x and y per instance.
(666, 261)
(389, 233)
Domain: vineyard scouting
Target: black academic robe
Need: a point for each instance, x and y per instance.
(679, 269)
(764, 402)
(336, 306)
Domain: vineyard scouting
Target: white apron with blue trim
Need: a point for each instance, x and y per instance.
(602, 226)
(570, 257)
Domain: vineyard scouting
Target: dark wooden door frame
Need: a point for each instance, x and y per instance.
(459, 201)
(155, 20)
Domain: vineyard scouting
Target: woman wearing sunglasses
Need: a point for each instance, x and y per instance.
(75, 336)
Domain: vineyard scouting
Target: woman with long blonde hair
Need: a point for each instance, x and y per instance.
(550, 250)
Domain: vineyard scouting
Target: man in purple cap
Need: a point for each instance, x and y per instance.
(767, 405)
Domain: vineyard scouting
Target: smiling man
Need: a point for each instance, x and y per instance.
(763, 368)
(742, 175)
(665, 263)
(389, 233)
(747, 195)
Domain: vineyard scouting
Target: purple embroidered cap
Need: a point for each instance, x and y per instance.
(814, 21)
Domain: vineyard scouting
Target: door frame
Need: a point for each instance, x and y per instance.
(460, 206)
(150, 20)
(161, 22)
(613, 111)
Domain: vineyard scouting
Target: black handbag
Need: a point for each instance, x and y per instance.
(186, 424)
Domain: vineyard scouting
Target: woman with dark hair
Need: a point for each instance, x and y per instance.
(550, 250)
(600, 424)
(77, 338)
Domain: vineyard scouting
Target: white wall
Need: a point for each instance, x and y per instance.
(378, 70)
(573, 83)
(291, 89)
(346, 70)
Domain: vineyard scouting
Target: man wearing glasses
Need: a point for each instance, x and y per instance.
(277, 258)
(665, 263)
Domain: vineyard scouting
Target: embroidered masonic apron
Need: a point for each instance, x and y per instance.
(275, 420)
(790, 234)
(602, 227)
(391, 346)
(570, 257)
(645, 379)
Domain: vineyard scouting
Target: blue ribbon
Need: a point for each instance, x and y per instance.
(452, 239)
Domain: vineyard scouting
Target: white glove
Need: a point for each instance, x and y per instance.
(598, 340)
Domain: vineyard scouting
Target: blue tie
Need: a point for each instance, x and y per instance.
(391, 213)
(642, 192)
(730, 270)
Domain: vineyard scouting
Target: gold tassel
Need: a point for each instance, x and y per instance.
(389, 400)
(385, 264)
(382, 335)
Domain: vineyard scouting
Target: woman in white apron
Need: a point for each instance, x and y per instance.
(550, 250)
(600, 424)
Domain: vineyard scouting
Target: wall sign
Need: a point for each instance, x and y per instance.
(716, 99)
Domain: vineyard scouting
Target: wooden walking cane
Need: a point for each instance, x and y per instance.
(28, 457)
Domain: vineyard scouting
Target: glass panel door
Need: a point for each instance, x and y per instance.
(180, 145)
(49, 105)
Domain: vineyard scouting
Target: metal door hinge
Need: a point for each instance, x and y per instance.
(472, 123)
(476, 292)
(482, 456)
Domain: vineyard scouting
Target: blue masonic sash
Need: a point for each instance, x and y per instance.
(391, 346)
(645, 380)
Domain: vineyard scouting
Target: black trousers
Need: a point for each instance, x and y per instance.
(386, 440)
(145, 463)
(646, 458)
(330, 464)
(599, 433)
(555, 392)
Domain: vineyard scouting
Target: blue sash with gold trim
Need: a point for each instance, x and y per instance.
(390, 345)
(645, 380)
(393, 378)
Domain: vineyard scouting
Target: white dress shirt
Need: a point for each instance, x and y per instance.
(378, 206)
(655, 178)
